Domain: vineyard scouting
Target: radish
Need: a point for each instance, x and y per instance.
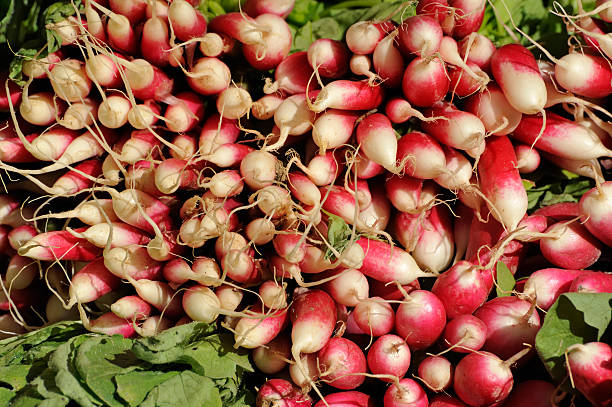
(260, 231)
(456, 128)
(493, 109)
(516, 71)
(273, 295)
(39, 109)
(292, 75)
(501, 182)
(443, 400)
(185, 114)
(292, 118)
(103, 70)
(374, 316)
(449, 51)
(560, 211)
(58, 245)
(436, 8)
(55, 312)
(281, 393)
(204, 270)
(584, 75)
(132, 262)
(528, 159)
(131, 308)
(186, 146)
(570, 246)
(113, 111)
(281, 8)
(187, 21)
(153, 325)
(436, 372)
(333, 128)
(363, 36)
(216, 45)
(388, 61)
(420, 320)
(20, 273)
(477, 49)
(209, 76)
(80, 114)
(154, 44)
(13, 150)
(422, 154)
(511, 322)
(389, 355)
(342, 364)
(310, 372)
(458, 172)
(461, 289)
(361, 65)
(407, 393)
(468, 16)
(386, 263)
(274, 45)
(69, 80)
(347, 95)
(465, 84)
(201, 304)
(589, 365)
(350, 288)
(234, 102)
(19, 235)
(115, 234)
(482, 378)
(160, 295)
(560, 137)
(92, 282)
(536, 393)
(378, 141)
(465, 333)
(346, 399)
(594, 208)
(546, 285)
(425, 82)
(593, 282)
(265, 107)
(272, 357)
(330, 58)
(110, 324)
(404, 192)
(420, 35)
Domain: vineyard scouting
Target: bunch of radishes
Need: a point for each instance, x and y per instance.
(301, 217)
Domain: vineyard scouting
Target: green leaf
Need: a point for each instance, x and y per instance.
(133, 387)
(505, 280)
(338, 235)
(15, 376)
(573, 318)
(186, 389)
(100, 359)
(5, 396)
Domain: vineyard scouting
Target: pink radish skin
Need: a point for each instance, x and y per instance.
(493, 109)
(584, 75)
(365, 168)
(460, 130)
(398, 110)
(348, 95)
(532, 393)
(186, 20)
(20, 235)
(409, 395)
(596, 212)
(592, 282)
(131, 308)
(209, 76)
(388, 62)
(378, 214)
(14, 93)
(52, 246)
(19, 299)
(102, 69)
(516, 71)
(179, 272)
(458, 170)
(292, 75)
(561, 137)
(50, 145)
(121, 36)
(511, 322)
(154, 44)
(13, 150)
(423, 155)
(389, 355)
(281, 8)
(329, 57)
(111, 324)
(461, 289)
(271, 358)
(313, 317)
(436, 372)
(425, 82)
(435, 8)
(421, 35)
(590, 368)
(482, 379)
(254, 332)
(420, 320)
(571, 246)
(466, 333)
(404, 192)
(501, 182)
(374, 316)
(378, 141)
(463, 84)
(363, 36)
(172, 175)
(185, 114)
(275, 43)
(333, 128)
(341, 363)
(528, 159)
(385, 263)
(122, 235)
(134, 10)
(92, 282)
(125, 206)
(479, 50)
(187, 146)
(292, 117)
(561, 211)
(133, 262)
(303, 189)
(546, 285)
(391, 291)
(443, 400)
(281, 393)
(346, 399)
(289, 247)
(238, 26)
(468, 16)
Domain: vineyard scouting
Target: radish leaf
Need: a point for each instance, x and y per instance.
(505, 280)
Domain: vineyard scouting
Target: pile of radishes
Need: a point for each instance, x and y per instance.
(294, 213)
